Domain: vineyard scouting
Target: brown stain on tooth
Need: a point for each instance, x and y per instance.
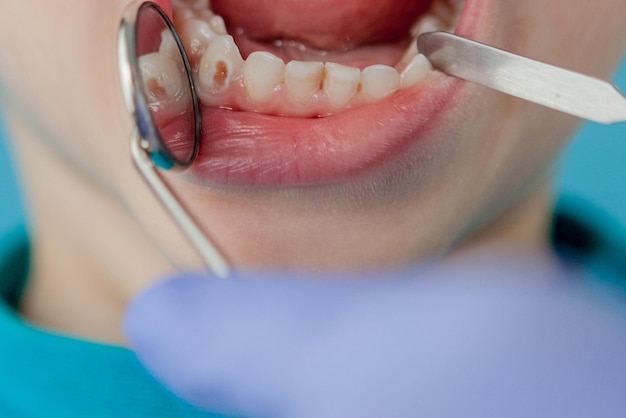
(221, 74)
(156, 90)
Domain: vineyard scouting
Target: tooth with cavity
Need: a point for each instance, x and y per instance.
(303, 79)
(163, 81)
(379, 81)
(341, 83)
(417, 70)
(263, 73)
(220, 64)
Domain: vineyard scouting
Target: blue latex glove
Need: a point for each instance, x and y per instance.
(477, 340)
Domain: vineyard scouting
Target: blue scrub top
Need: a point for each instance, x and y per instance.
(43, 374)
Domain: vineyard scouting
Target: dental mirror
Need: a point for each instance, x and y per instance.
(160, 94)
(165, 88)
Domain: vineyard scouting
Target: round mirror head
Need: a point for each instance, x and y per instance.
(167, 110)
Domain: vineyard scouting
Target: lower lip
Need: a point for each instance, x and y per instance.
(251, 149)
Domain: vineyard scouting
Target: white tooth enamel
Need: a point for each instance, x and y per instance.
(162, 79)
(448, 12)
(220, 64)
(379, 81)
(341, 83)
(196, 36)
(303, 79)
(263, 73)
(417, 70)
(428, 23)
(408, 56)
(206, 15)
(168, 45)
(218, 25)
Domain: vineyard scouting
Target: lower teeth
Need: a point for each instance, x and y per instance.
(263, 83)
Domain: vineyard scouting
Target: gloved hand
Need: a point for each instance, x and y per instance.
(467, 340)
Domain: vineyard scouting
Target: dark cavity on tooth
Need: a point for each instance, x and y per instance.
(156, 90)
(221, 74)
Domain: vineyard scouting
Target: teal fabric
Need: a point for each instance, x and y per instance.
(52, 376)
(11, 208)
(592, 168)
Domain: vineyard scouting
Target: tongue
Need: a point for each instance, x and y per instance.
(322, 24)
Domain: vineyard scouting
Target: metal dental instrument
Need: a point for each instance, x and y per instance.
(165, 108)
(570, 92)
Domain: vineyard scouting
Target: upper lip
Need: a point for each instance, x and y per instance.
(250, 149)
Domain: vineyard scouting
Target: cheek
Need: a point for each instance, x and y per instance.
(505, 150)
(59, 75)
(584, 36)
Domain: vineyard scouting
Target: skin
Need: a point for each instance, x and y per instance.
(61, 96)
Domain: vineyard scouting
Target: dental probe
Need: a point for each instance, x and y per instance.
(570, 92)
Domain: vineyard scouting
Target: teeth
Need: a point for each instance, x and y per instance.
(447, 12)
(303, 79)
(196, 36)
(168, 45)
(428, 23)
(408, 56)
(379, 81)
(341, 83)
(162, 80)
(218, 25)
(263, 73)
(416, 71)
(217, 64)
(220, 64)
(205, 15)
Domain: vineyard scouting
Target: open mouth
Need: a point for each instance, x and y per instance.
(298, 93)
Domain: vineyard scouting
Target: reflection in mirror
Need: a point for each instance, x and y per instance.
(166, 86)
